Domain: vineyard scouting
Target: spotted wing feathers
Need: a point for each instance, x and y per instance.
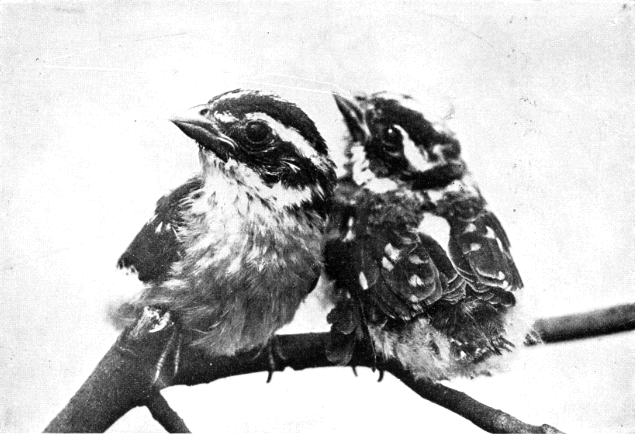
(383, 274)
(157, 246)
(481, 253)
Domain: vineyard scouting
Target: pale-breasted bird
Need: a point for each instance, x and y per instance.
(232, 253)
(439, 313)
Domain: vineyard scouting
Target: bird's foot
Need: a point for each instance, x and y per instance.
(155, 320)
(381, 374)
(172, 348)
(273, 355)
(378, 364)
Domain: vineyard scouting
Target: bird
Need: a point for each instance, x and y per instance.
(233, 252)
(440, 312)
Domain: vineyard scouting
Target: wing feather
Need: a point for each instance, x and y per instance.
(157, 245)
(480, 250)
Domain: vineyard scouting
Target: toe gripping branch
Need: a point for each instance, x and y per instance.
(155, 321)
(276, 360)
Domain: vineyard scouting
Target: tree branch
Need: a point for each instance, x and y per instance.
(123, 378)
(165, 415)
(586, 325)
(486, 418)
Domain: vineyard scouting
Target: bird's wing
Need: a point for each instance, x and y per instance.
(157, 245)
(384, 272)
(480, 250)
(389, 274)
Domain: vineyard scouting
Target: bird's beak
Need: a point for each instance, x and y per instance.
(353, 116)
(199, 127)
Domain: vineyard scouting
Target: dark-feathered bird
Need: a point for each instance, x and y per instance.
(233, 252)
(439, 314)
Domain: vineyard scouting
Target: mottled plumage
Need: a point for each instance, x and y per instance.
(233, 252)
(439, 312)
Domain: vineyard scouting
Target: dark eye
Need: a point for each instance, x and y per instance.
(393, 139)
(257, 132)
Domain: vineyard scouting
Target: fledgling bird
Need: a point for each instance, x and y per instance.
(439, 313)
(232, 253)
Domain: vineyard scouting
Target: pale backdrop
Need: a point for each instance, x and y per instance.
(543, 100)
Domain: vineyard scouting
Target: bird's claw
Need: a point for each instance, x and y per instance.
(272, 355)
(381, 375)
(174, 345)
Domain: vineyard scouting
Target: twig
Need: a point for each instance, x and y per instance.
(586, 325)
(165, 415)
(486, 418)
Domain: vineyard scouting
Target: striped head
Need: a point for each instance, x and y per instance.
(264, 141)
(394, 145)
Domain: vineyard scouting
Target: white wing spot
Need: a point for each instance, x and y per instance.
(470, 228)
(350, 235)
(415, 280)
(350, 222)
(387, 264)
(159, 228)
(500, 244)
(362, 280)
(392, 252)
(501, 275)
(490, 233)
(475, 246)
(505, 284)
(416, 259)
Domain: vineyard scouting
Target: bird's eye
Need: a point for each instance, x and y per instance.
(393, 139)
(257, 132)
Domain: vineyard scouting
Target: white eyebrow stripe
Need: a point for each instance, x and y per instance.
(249, 92)
(225, 117)
(287, 134)
(413, 153)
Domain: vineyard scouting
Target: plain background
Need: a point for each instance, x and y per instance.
(543, 100)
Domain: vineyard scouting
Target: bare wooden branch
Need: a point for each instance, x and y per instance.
(165, 415)
(123, 379)
(586, 325)
(117, 385)
(486, 418)
(132, 360)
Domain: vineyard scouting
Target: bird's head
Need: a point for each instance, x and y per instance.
(393, 144)
(268, 142)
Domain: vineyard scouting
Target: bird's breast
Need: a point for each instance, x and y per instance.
(233, 236)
